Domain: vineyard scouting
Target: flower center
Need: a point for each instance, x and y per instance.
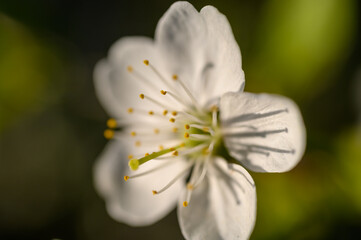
(195, 128)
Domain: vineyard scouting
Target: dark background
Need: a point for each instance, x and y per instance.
(51, 123)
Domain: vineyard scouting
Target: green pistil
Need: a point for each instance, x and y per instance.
(135, 163)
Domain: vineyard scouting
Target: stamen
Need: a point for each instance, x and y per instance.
(165, 112)
(108, 134)
(130, 156)
(214, 116)
(203, 128)
(137, 144)
(151, 113)
(130, 69)
(149, 171)
(185, 204)
(147, 63)
(186, 135)
(142, 96)
(186, 126)
(200, 136)
(175, 129)
(133, 134)
(179, 175)
(177, 98)
(111, 123)
(190, 95)
(172, 120)
(174, 113)
(130, 110)
(156, 131)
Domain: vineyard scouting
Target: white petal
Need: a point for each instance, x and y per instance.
(223, 51)
(264, 132)
(132, 202)
(201, 49)
(118, 89)
(222, 207)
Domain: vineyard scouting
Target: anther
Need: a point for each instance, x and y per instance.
(133, 164)
(182, 144)
(108, 134)
(186, 135)
(165, 112)
(154, 192)
(146, 62)
(141, 96)
(174, 113)
(111, 123)
(130, 110)
(161, 147)
(175, 129)
(186, 126)
(156, 130)
(175, 153)
(185, 204)
(147, 154)
(130, 69)
(163, 92)
(151, 113)
(126, 178)
(190, 186)
(172, 120)
(137, 143)
(133, 134)
(175, 77)
(130, 156)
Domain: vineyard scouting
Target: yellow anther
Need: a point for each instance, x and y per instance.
(108, 134)
(133, 134)
(126, 178)
(147, 154)
(214, 108)
(133, 164)
(137, 143)
(186, 135)
(174, 113)
(161, 147)
(175, 153)
(163, 92)
(130, 69)
(175, 77)
(182, 145)
(151, 113)
(190, 186)
(186, 126)
(141, 96)
(206, 129)
(111, 123)
(185, 203)
(156, 130)
(130, 110)
(130, 156)
(175, 129)
(205, 151)
(172, 120)
(165, 112)
(146, 62)
(154, 192)
(172, 148)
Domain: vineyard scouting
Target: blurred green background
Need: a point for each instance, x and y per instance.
(51, 123)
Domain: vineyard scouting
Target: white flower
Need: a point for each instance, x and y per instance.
(186, 123)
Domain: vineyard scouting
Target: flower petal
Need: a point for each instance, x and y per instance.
(132, 202)
(201, 49)
(264, 132)
(222, 207)
(121, 78)
(223, 51)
